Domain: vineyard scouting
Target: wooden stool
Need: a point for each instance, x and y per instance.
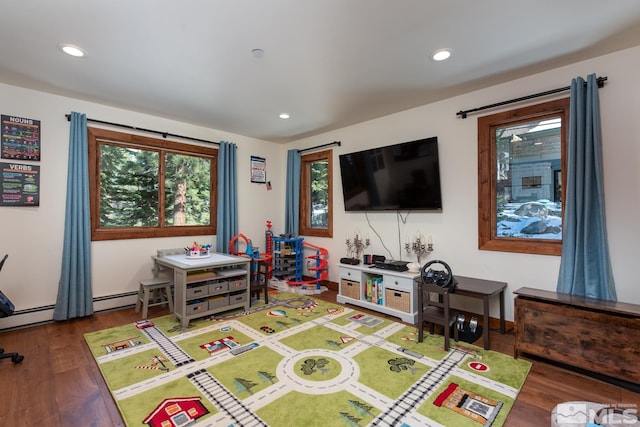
(162, 290)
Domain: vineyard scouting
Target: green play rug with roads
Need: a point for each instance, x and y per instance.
(304, 362)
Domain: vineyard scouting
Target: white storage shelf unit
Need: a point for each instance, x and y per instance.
(396, 293)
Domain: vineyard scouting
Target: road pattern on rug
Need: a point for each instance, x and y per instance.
(323, 355)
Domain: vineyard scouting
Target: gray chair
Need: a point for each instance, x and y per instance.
(433, 308)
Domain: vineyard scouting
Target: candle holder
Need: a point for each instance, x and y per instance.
(419, 247)
(356, 247)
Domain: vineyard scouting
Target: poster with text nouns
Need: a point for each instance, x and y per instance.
(20, 138)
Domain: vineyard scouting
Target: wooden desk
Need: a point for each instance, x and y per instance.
(483, 289)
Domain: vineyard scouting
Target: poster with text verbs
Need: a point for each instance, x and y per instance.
(20, 184)
(20, 138)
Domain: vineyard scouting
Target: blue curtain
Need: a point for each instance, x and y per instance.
(585, 267)
(292, 200)
(227, 225)
(74, 288)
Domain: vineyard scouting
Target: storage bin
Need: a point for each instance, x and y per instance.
(236, 284)
(197, 291)
(238, 297)
(218, 301)
(218, 287)
(350, 289)
(398, 300)
(197, 306)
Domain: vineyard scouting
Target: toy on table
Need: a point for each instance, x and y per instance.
(198, 251)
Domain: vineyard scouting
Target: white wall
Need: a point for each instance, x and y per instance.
(32, 236)
(455, 230)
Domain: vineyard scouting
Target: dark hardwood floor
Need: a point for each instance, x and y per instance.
(59, 385)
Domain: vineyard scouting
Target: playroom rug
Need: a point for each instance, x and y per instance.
(300, 361)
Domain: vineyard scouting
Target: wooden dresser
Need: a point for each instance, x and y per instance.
(595, 335)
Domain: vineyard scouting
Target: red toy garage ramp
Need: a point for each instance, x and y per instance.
(321, 266)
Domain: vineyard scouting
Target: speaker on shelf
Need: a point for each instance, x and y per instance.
(372, 259)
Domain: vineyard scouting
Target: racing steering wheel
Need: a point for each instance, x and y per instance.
(443, 278)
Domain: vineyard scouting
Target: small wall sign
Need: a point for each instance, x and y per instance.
(20, 184)
(258, 169)
(20, 138)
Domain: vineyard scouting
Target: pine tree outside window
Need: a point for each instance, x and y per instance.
(144, 187)
(316, 201)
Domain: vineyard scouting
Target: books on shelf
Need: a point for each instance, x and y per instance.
(374, 290)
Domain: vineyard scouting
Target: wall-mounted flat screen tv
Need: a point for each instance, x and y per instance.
(403, 176)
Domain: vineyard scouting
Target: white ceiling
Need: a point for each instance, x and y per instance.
(328, 63)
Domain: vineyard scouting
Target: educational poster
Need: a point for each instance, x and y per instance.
(20, 184)
(20, 138)
(258, 169)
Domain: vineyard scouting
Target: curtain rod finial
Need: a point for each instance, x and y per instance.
(600, 81)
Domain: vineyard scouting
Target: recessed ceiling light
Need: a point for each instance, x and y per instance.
(284, 116)
(441, 54)
(72, 50)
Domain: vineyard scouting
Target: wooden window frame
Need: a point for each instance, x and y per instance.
(487, 210)
(305, 228)
(96, 137)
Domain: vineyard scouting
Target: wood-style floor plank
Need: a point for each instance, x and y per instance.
(60, 385)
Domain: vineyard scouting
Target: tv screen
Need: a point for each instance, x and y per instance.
(403, 176)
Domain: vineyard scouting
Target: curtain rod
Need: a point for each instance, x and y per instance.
(464, 113)
(338, 143)
(157, 132)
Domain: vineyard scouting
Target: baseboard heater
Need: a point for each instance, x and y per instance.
(44, 314)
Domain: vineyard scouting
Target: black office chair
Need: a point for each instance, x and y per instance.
(6, 309)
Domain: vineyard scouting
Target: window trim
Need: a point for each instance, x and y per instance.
(487, 211)
(94, 138)
(305, 228)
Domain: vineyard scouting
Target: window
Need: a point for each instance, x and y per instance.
(143, 187)
(521, 173)
(316, 195)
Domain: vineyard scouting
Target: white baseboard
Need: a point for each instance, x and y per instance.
(39, 315)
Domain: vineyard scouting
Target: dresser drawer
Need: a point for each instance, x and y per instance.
(349, 274)
(402, 283)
